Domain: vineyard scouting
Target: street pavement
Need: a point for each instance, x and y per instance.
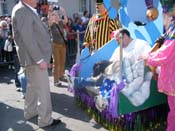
(11, 109)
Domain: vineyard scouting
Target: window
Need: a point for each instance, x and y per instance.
(4, 7)
(82, 5)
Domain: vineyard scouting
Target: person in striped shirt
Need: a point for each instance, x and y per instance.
(100, 27)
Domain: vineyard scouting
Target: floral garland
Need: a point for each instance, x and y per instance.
(145, 120)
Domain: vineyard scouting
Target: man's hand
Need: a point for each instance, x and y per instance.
(43, 65)
(145, 58)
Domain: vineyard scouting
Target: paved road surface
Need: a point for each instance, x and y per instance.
(11, 109)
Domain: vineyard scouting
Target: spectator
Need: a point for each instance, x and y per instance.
(71, 39)
(8, 48)
(3, 36)
(57, 30)
(23, 81)
(81, 29)
(44, 8)
(75, 17)
(85, 17)
(71, 32)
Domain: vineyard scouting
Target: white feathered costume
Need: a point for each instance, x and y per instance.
(137, 88)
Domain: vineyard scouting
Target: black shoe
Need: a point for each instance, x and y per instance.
(55, 122)
(57, 84)
(63, 79)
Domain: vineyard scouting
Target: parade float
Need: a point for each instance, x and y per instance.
(112, 107)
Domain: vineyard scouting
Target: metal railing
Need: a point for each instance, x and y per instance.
(73, 49)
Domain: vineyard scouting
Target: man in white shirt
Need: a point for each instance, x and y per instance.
(137, 88)
(131, 47)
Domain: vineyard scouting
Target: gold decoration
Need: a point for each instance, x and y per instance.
(152, 14)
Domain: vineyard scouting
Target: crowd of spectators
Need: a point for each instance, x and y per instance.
(8, 55)
(75, 23)
(6, 41)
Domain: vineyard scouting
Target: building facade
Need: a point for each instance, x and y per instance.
(6, 7)
(71, 6)
(76, 6)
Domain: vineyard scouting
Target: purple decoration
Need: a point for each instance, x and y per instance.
(129, 117)
(75, 68)
(110, 113)
(165, 9)
(70, 89)
(90, 102)
(149, 4)
(113, 106)
(108, 116)
(103, 113)
(129, 121)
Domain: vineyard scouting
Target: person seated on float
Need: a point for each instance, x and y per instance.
(132, 49)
